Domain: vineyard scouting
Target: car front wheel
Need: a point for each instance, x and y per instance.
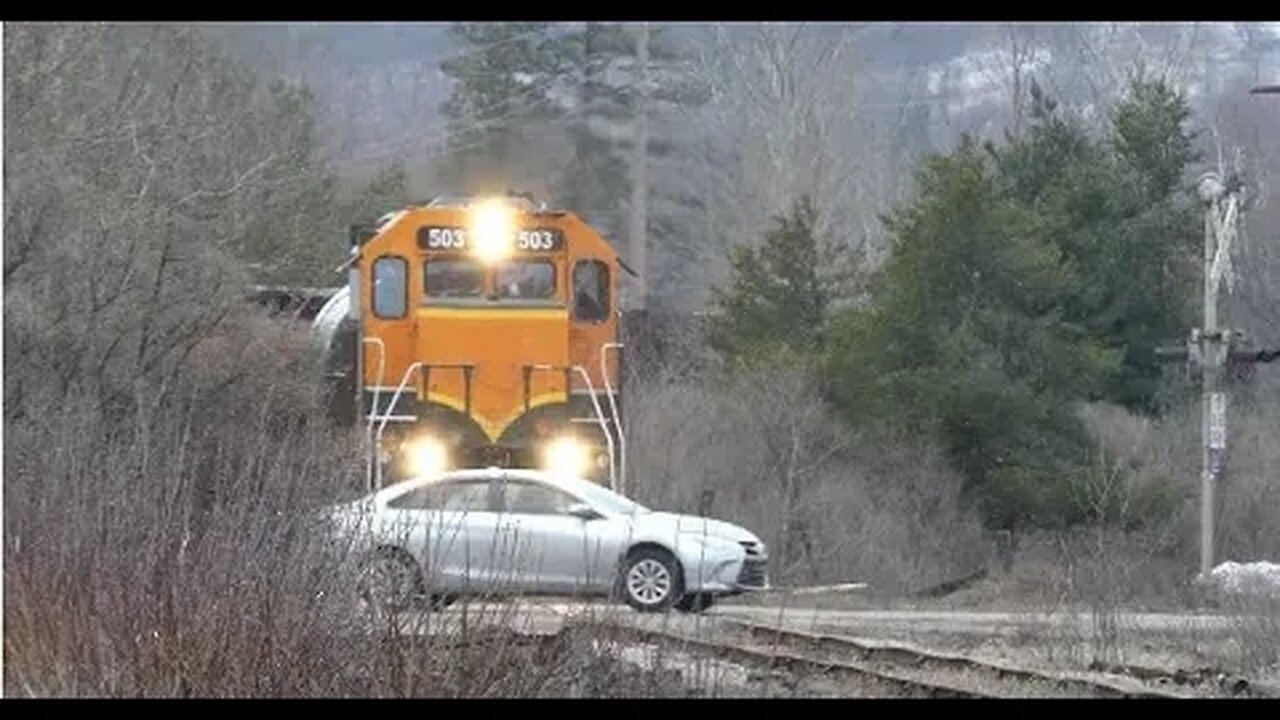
(651, 580)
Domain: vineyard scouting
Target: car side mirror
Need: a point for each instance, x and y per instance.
(584, 512)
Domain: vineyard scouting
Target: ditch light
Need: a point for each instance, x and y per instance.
(425, 456)
(566, 456)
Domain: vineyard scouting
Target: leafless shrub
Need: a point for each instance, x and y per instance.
(129, 574)
(1249, 494)
(835, 506)
(122, 582)
(164, 449)
(1139, 547)
(1155, 466)
(177, 553)
(143, 168)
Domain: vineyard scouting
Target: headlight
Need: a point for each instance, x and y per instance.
(426, 456)
(566, 456)
(492, 229)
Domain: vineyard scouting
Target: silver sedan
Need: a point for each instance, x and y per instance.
(516, 532)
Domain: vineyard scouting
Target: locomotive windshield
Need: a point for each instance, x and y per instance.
(526, 280)
(454, 278)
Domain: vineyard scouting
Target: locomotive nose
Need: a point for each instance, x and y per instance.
(506, 349)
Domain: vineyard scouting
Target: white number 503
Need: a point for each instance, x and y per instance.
(535, 240)
(444, 238)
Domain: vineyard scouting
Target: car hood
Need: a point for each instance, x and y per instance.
(695, 524)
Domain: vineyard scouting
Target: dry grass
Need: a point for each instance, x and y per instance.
(1254, 638)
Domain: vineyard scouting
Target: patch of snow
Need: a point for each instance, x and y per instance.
(1256, 578)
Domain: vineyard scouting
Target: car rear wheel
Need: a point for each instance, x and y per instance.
(390, 580)
(651, 580)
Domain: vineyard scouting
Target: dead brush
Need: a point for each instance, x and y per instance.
(833, 505)
(194, 564)
(1254, 635)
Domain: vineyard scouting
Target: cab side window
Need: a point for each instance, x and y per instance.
(390, 291)
(590, 291)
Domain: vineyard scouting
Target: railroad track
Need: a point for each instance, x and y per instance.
(856, 666)
(789, 668)
(905, 656)
(851, 667)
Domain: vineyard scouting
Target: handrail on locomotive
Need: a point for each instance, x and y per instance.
(374, 464)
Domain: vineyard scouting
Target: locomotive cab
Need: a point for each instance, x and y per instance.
(481, 332)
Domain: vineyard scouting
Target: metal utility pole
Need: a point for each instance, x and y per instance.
(640, 171)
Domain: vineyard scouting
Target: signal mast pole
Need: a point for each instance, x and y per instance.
(640, 171)
(1216, 347)
(1213, 403)
(1213, 352)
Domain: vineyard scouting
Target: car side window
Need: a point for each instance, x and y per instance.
(533, 499)
(464, 496)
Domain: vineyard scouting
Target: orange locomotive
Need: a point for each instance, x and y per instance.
(480, 332)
